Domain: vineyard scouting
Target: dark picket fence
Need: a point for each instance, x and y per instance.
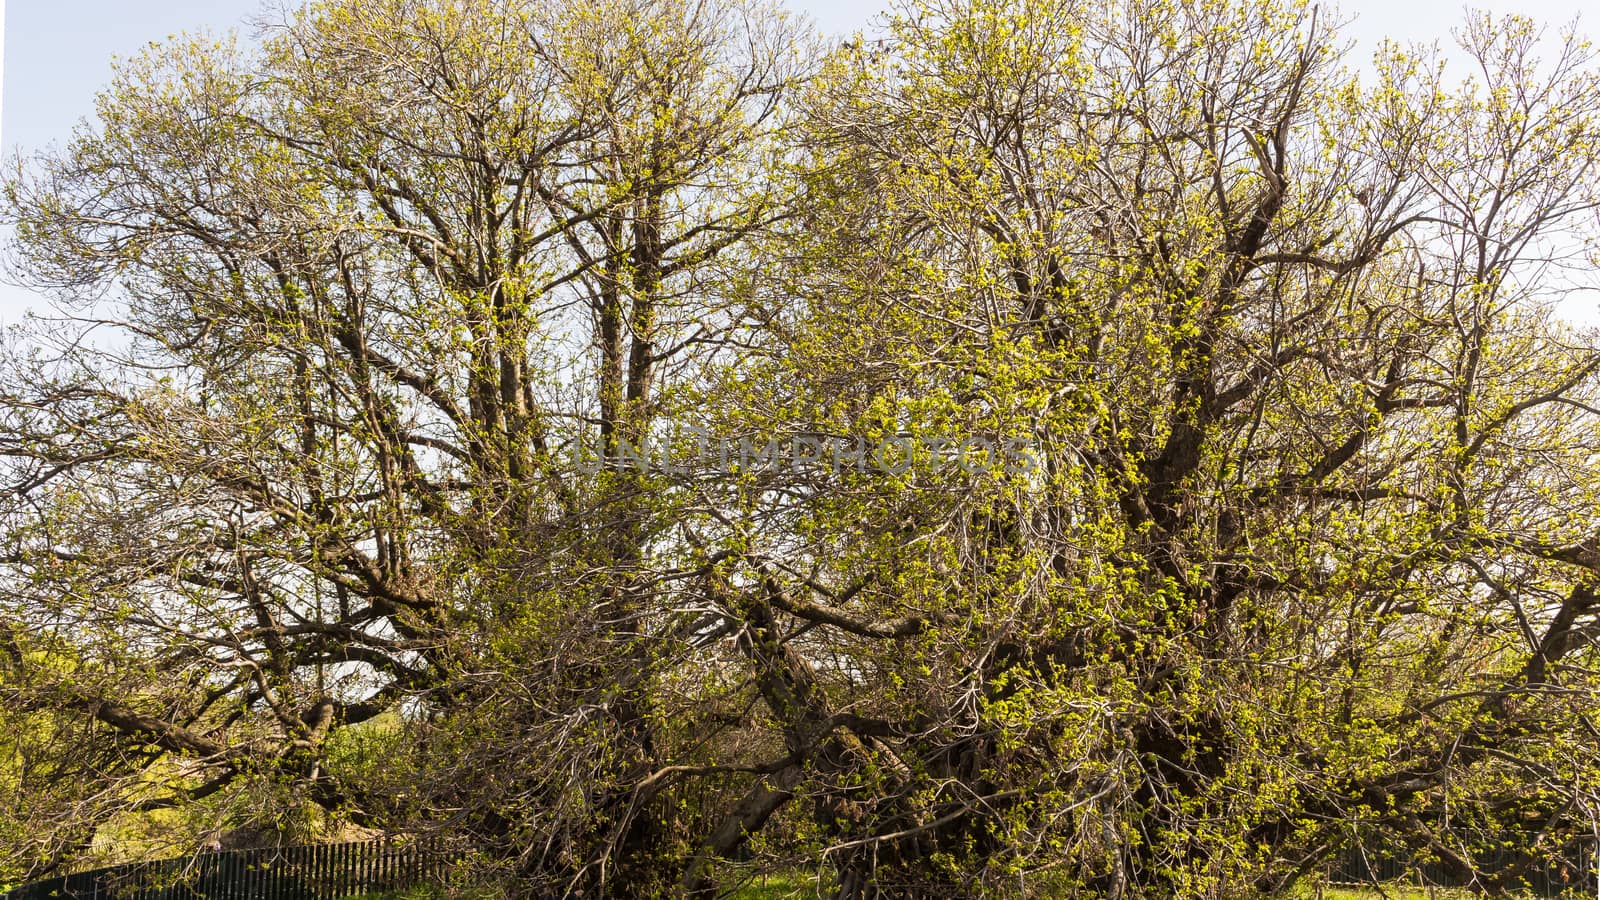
(316, 872)
(1571, 874)
(331, 871)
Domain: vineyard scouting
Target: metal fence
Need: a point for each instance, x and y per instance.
(330, 871)
(316, 872)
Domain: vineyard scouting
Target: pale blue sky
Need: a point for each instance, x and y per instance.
(58, 52)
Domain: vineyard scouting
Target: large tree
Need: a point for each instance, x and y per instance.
(1302, 550)
(384, 297)
(1104, 440)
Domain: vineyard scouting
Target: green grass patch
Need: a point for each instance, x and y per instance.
(795, 886)
(783, 886)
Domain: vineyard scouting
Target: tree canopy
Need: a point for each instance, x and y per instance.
(1112, 446)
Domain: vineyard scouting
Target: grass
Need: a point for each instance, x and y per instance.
(778, 887)
(1392, 892)
(798, 886)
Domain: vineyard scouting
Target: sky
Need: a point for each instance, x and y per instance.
(57, 53)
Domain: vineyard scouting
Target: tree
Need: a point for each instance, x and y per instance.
(375, 286)
(1111, 447)
(1304, 553)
